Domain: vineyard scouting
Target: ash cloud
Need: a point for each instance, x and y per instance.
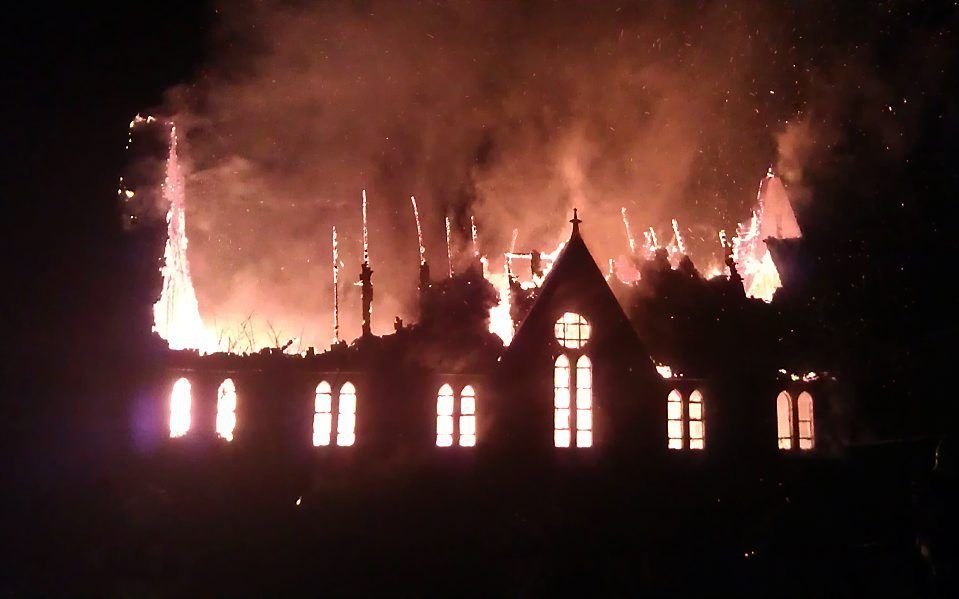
(514, 112)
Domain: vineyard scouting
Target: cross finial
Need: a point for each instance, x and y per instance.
(575, 220)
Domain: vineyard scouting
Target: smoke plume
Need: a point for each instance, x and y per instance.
(510, 112)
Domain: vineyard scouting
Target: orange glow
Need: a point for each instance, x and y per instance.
(784, 419)
(561, 433)
(346, 418)
(807, 437)
(444, 417)
(323, 415)
(674, 422)
(468, 417)
(697, 423)
(180, 401)
(226, 409)
(572, 330)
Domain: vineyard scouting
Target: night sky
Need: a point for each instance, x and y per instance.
(879, 222)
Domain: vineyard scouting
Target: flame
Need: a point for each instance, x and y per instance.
(772, 218)
(176, 315)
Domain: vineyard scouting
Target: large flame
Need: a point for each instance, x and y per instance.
(176, 315)
(772, 218)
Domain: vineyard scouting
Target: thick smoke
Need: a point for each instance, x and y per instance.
(513, 112)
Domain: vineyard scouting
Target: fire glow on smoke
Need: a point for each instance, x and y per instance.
(178, 318)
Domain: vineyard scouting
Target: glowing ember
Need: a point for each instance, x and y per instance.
(176, 315)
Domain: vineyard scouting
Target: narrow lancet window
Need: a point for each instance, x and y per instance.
(674, 422)
(323, 415)
(784, 420)
(468, 417)
(180, 401)
(346, 418)
(561, 406)
(444, 417)
(806, 431)
(584, 402)
(226, 409)
(697, 424)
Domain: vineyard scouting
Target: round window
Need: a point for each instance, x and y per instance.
(572, 330)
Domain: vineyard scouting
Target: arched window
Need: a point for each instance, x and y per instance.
(572, 330)
(180, 401)
(784, 420)
(346, 418)
(452, 424)
(584, 402)
(674, 422)
(444, 416)
(807, 437)
(561, 416)
(226, 409)
(685, 425)
(697, 423)
(468, 417)
(323, 415)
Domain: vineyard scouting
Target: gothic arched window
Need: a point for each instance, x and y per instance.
(180, 400)
(674, 420)
(452, 422)
(468, 417)
(346, 417)
(784, 420)
(561, 415)
(697, 420)
(572, 332)
(685, 420)
(226, 409)
(584, 402)
(807, 438)
(323, 415)
(444, 416)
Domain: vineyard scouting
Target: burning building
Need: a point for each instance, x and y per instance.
(566, 364)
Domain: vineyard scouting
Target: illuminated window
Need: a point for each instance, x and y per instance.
(584, 402)
(784, 420)
(572, 330)
(468, 417)
(674, 422)
(451, 424)
(346, 417)
(444, 416)
(806, 432)
(682, 421)
(697, 424)
(226, 409)
(561, 429)
(180, 408)
(323, 415)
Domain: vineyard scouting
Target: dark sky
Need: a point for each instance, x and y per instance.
(880, 224)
